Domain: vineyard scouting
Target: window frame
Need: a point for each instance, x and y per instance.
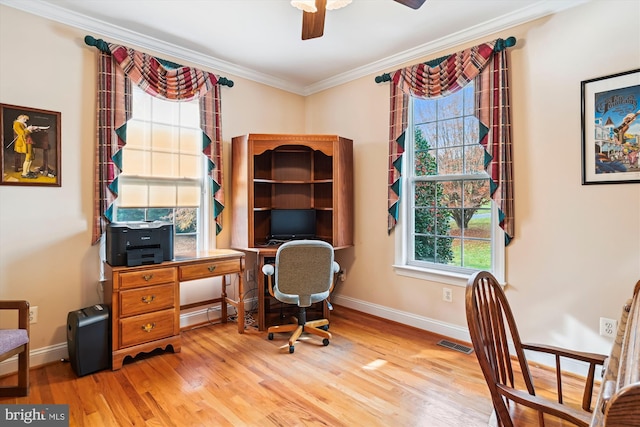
(204, 208)
(456, 276)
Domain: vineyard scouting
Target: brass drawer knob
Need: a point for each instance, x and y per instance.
(148, 299)
(211, 268)
(148, 327)
(147, 277)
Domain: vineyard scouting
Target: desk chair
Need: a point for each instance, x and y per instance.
(304, 274)
(16, 341)
(492, 329)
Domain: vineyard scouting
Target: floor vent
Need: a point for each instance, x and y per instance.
(457, 347)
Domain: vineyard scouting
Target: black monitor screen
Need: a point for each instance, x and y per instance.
(288, 224)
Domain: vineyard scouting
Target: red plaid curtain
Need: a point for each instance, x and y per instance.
(116, 71)
(487, 65)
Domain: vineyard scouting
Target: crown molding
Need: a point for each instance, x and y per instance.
(531, 13)
(103, 29)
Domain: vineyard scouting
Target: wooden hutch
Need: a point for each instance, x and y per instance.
(285, 171)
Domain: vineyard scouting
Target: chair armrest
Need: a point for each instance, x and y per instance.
(592, 359)
(269, 270)
(595, 358)
(14, 305)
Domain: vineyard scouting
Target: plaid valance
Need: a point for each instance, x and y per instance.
(118, 68)
(487, 65)
(157, 79)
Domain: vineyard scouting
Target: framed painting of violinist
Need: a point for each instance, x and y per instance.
(30, 154)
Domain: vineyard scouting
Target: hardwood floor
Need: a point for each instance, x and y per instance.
(374, 373)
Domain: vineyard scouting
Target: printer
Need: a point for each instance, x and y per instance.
(138, 243)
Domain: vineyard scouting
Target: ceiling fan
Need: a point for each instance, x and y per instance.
(313, 21)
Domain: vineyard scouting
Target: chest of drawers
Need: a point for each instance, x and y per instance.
(144, 301)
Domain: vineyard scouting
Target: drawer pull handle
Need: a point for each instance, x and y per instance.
(147, 277)
(148, 327)
(211, 268)
(148, 299)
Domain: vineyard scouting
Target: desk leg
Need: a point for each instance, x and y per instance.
(260, 278)
(223, 303)
(238, 304)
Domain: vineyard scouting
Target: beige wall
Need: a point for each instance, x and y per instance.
(575, 256)
(576, 252)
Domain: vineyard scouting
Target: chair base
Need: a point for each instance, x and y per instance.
(314, 327)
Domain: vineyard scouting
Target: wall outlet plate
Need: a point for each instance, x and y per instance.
(33, 314)
(447, 294)
(608, 327)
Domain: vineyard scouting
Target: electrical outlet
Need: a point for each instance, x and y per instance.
(608, 327)
(342, 275)
(33, 314)
(250, 275)
(447, 295)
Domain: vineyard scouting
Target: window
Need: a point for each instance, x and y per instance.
(449, 220)
(162, 169)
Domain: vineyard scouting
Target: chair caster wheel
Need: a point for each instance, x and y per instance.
(291, 349)
(270, 336)
(324, 327)
(325, 342)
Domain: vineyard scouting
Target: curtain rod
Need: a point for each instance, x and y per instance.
(500, 45)
(103, 46)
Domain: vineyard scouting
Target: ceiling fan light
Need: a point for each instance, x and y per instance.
(305, 5)
(337, 4)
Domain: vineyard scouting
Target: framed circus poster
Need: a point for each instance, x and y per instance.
(30, 154)
(611, 129)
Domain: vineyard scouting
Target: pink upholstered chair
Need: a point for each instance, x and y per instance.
(16, 341)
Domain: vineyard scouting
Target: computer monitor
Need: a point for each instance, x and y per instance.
(292, 224)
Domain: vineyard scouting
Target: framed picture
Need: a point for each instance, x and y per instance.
(611, 129)
(30, 152)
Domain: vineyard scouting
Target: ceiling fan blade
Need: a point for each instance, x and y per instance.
(413, 4)
(313, 23)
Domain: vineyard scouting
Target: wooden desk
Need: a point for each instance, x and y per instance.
(144, 301)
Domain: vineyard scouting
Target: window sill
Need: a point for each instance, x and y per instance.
(438, 276)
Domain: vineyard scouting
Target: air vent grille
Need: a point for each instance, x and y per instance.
(455, 346)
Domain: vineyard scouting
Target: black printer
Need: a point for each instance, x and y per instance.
(138, 243)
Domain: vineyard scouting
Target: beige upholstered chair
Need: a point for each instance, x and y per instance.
(16, 341)
(304, 274)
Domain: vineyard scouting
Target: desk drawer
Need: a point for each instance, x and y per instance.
(147, 327)
(147, 299)
(208, 269)
(147, 277)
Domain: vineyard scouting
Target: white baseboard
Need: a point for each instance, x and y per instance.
(37, 357)
(420, 322)
(56, 352)
(53, 353)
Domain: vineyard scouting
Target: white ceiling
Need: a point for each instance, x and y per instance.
(261, 39)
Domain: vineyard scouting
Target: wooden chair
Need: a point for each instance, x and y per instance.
(16, 341)
(304, 274)
(493, 329)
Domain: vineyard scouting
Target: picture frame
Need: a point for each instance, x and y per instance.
(33, 131)
(611, 129)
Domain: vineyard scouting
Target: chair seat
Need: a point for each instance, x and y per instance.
(12, 338)
(300, 300)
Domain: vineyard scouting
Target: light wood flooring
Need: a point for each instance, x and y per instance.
(374, 373)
